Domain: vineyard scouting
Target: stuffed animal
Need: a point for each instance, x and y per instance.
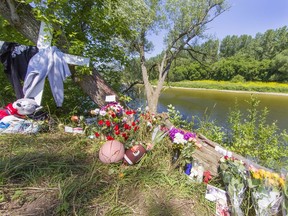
(19, 108)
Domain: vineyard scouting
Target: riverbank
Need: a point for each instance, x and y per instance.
(239, 87)
(233, 91)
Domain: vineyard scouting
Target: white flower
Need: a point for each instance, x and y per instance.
(179, 139)
(102, 112)
(96, 111)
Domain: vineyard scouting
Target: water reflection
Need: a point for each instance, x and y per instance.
(217, 104)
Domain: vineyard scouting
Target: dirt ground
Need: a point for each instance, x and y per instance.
(28, 202)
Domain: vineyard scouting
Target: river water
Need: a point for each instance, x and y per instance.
(217, 104)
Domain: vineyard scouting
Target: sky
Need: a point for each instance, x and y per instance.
(244, 17)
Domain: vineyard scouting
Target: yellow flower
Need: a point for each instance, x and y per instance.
(281, 182)
(267, 174)
(261, 172)
(275, 176)
(256, 175)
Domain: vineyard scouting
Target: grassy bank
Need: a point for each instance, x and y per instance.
(60, 174)
(236, 86)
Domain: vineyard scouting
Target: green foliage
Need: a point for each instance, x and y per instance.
(248, 134)
(280, 66)
(252, 137)
(9, 33)
(261, 58)
(177, 119)
(238, 78)
(181, 71)
(7, 94)
(249, 68)
(210, 129)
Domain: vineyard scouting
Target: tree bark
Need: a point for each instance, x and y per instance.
(93, 85)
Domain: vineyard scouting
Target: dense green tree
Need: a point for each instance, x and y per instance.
(248, 57)
(280, 66)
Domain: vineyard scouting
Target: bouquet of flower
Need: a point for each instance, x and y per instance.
(114, 122)
(183, 142)
(234, 174)
(266, 191)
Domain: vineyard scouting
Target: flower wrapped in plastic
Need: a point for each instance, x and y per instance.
(266, 191)
(234, 175)
(184, 143)
(285, 196)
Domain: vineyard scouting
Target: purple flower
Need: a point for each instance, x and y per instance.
(186, 136)
(189, 135)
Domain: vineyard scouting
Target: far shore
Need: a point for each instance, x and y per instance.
(233, 91)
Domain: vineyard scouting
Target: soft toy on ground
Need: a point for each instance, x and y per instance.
(19, 108)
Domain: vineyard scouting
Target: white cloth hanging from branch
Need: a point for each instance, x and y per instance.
(51, 62)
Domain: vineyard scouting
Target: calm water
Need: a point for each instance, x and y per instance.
(216, 104)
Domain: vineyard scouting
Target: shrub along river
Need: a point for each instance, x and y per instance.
(217, 104)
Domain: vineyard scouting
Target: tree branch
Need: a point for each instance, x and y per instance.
(132, 85)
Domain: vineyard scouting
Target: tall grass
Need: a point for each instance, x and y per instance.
(63, 170)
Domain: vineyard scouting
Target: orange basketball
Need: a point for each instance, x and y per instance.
(111, 151)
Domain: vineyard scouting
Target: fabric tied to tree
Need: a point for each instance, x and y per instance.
(47, 62)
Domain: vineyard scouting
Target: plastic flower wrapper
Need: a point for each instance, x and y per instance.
(234, 174)
(266, 191)
(285, 196)
(157, 135)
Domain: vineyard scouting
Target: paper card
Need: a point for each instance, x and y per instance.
(213, 194)
(222, 210)
(110, 98)
(219, 196)
(68, 129)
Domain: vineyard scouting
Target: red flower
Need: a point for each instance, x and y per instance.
(117, 132)
(124, 135)
(207, 176)
(96, 134)
(116, 127)
(133, 124)
(136, 128)
(107, 122)
(113, 115)
(130, 112)
(127, 127)
(109, 138)
(101, 122)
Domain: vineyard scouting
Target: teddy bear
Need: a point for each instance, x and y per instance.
(20, 108)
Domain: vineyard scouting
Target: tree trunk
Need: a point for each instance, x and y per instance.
(93, 85)
(151, 95)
